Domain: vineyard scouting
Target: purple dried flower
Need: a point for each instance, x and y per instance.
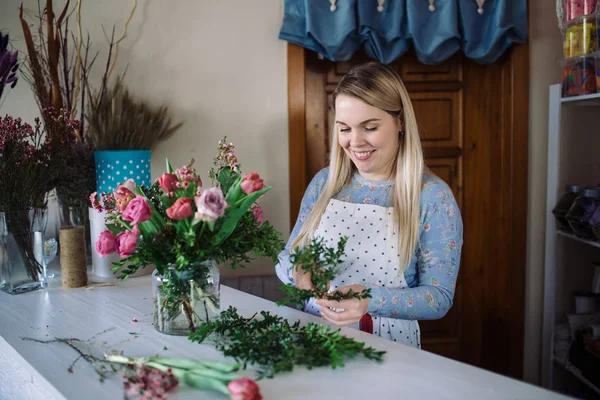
(8, 65)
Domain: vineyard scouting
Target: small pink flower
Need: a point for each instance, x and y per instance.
(138, 210)
(181, 209)
(252, 183)
(426, 227)
(244, 389)
(257, 213)
(124, 194)
(105, 244)
(452, 245)
(210, 204)
(126, 242)
(430, 299)
(167, 182)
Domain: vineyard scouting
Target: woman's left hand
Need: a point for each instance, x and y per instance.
(354, 309)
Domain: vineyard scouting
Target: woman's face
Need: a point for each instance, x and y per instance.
(368, 135)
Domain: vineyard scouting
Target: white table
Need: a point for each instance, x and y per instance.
(39, 371)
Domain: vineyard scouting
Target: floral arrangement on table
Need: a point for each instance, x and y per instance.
(30, 161)
(185, 229)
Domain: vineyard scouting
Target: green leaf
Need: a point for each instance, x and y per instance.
(169, 167)
(211, 373)
(115, 230)
(234, 213)
(167, 201)
(205, 383)
(234, 191)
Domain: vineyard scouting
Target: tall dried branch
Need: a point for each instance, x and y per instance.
(37, 73)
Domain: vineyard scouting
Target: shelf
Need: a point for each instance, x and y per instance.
(572, 236)
(585, 100)
(576, 373)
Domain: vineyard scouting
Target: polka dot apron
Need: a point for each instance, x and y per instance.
(371, 258)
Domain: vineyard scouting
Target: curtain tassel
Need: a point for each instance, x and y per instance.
(480, 4)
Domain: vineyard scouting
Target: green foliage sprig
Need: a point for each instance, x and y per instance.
(321, 262)
(276, 346)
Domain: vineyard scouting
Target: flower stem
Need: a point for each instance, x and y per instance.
(188, 314)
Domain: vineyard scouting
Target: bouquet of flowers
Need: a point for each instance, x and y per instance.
(29, 165)
(185, 229)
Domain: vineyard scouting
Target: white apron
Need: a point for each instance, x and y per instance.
(371, 258)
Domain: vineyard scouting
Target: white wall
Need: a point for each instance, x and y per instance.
(545, 51)
(218, 65)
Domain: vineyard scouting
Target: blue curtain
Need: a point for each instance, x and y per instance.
(454, 25)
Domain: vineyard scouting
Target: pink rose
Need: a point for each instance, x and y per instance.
(126, 242)
(138, 210)
(168, 182)
(210, 204)
(124, 194)
(105, 244)
(182, 209)
(252, 183)
(257, 213)
(244, 389)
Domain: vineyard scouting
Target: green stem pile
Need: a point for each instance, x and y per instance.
(275, 345)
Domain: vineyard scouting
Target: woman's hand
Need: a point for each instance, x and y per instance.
(354, 309)
(302, 279)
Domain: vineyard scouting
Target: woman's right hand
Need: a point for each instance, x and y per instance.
(302, 279)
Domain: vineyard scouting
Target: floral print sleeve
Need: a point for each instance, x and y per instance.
(311, 195)
(433, 271)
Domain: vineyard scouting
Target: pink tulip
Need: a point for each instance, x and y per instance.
(124, 194)
(167, 182)
(210, 204)
(252, 183)
(126, 242)
(138, 210)
(257, 213)
(105, 245)
(181, 209)
(244, 389)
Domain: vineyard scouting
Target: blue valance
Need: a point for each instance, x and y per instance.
(436, 29)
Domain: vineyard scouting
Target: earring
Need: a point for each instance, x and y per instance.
(401, 133)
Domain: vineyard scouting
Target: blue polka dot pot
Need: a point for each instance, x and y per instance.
(116, 166)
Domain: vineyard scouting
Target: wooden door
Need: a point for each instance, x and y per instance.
(473, 125)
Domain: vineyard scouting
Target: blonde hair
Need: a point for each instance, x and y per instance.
(379, 86)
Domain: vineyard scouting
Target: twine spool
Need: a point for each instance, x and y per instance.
(73, 265)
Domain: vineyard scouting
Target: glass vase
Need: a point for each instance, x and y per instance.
(22, 264)
(184, 300)
(77, 216)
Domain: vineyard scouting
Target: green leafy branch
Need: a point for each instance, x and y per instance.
(277, 346)
(322, 263)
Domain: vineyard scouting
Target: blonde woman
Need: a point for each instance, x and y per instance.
(403, 225)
